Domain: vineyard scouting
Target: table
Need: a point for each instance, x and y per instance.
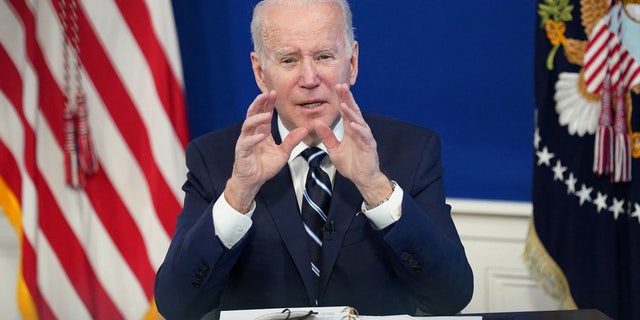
(583, 314)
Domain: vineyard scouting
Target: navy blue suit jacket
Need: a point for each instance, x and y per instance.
(417, 262)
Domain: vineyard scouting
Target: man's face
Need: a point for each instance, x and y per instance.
(305, 56)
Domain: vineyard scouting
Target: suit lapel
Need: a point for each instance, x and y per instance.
(345, 203)
(280, 201)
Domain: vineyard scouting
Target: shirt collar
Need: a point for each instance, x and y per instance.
(338, 131)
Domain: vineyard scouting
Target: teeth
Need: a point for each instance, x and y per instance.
(312, 105)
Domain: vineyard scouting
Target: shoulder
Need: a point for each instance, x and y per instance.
(390, 128)
(219, 137)
(218, 140)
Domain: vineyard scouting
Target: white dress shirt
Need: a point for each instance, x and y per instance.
(230, 225)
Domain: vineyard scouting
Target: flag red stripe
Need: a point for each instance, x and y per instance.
(109, 208)
(67, 247)
(9, 171)
(72, 257)
(29, 272)
(136, 15)
(11, 84)
(634, 74)
(114, 217)
(629, 68)
(12, 89)
(595, 40)
(121, 228)
(615, 65)
(28, 255)
(596, 52)
(123, 112)
(53, 224)
(595, 74)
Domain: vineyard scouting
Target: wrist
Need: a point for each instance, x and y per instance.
(240, 196)
(377, 191)
(368, 206)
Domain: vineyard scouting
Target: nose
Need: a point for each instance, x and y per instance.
(309, 77)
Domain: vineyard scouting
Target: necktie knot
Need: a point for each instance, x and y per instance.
(314, 156)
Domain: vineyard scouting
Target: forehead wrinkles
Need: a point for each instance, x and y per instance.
(316, 31)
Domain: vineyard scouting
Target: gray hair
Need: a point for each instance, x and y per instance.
(258, 21)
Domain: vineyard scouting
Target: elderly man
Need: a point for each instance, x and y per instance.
(310, 201)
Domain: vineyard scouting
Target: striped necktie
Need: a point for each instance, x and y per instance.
(315, 204)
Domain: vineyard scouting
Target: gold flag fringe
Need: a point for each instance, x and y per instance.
(545, 271)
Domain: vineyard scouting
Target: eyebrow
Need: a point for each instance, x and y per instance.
(289, 52)
(328, 49)
(285, 52)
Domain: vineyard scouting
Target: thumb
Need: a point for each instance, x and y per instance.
(326, 135)
(292, 139)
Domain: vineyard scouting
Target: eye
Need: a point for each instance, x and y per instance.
(325, 56)
(287, 61)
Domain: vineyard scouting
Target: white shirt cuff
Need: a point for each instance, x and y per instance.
(230, 225)
(386, 213)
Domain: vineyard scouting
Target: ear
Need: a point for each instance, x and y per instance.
(354, 64)
(258, 72)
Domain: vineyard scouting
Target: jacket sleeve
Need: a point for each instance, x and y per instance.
(189, 282)
(428, 255)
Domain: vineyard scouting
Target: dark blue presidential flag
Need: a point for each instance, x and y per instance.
(584, 240)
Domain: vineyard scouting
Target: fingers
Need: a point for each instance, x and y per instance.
(345, 96)
(326, 135)
(257, 125)
(350, 111)
(253, 131)
(263, 103)
(292, 139)
(355, 125)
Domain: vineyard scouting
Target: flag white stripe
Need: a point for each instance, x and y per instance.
(12, 135)
(11, 130)
(12, 38)
(12, 34)
(595, 63)
(107, 262)
(55, 285)
(49, 37)
(599, 51)
(127, 178)
(118, 162)
(596, 55)
(134, 71)
(161, 12)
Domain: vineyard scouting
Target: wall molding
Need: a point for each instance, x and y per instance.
(490, 207)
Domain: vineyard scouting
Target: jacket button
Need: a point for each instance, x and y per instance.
(406, 256)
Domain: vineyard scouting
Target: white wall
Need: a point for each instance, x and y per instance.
(493, 233)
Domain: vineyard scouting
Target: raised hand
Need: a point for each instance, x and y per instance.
(257, 157)
(356, 156)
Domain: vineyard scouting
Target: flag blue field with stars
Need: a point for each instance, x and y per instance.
(584, 241)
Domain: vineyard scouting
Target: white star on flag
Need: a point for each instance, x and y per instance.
(636, 212)
(584, 194)
(571, 184)
(600, 201)
(544, 156)
(616, 208)
(558, 171)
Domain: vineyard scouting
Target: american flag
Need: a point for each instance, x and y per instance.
(90, 250)
(584, 242)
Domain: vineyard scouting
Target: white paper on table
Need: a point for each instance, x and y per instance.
(323, 313)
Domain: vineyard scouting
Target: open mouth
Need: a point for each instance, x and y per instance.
(311, 104)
